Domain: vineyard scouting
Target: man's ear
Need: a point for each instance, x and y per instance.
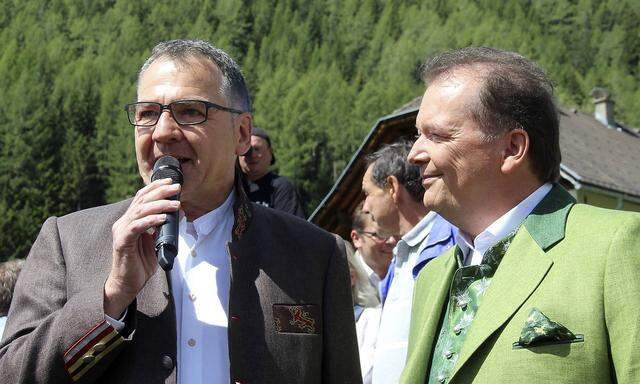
(355, 239)
(515, 150)
(393, 188)
(244, 123)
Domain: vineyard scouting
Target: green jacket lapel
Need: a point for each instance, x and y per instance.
(428, 307)
(521, 270)
(547, 221)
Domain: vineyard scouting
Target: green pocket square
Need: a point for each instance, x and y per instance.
(540, 330)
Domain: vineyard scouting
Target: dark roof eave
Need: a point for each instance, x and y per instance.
(356, 156)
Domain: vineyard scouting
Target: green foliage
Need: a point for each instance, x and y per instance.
(321, 73)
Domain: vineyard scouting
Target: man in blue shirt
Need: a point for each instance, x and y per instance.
(394, 200)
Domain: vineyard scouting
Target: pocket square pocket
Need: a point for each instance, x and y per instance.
(539, 330)
(304, 319)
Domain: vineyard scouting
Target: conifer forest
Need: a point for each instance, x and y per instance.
(321, 72)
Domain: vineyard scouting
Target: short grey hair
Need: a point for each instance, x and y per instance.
(9, 272)
(391, 160)
(233, 86)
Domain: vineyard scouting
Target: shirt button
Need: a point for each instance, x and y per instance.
(191, 342)
(192, 297)
(448, 354)
(441, 378)
(193, 253)
(457, 329)
(167, 362)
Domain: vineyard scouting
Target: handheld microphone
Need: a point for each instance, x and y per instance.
(167, 239)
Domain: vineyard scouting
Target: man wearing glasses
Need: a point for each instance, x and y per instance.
(393, 197)
(241, 304)
(375, 248)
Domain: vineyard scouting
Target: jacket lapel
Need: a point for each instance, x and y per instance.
(426, 332)
(521, 270)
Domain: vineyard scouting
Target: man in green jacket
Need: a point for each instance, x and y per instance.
(539, 289)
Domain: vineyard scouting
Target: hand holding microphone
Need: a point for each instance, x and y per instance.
(134, 258)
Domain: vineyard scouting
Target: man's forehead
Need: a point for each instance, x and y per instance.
(462, 83)
(257, 140)
(198, 70)
(454, 92)
(368, 183)
(366, 178)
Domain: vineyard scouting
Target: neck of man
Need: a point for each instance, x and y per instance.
(202, 206)
(378, 265)
(410, 213)
(482, 213)
(380, 268)
(257, 176)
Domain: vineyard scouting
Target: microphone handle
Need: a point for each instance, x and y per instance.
(167, 240)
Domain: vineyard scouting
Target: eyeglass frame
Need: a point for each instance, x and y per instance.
(164, 107)
(375, 236)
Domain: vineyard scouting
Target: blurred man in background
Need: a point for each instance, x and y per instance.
(9, 271)
(265, 187)
(394, 199)
(372, 246)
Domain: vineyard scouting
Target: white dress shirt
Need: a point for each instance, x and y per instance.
(473, 250)
(374, 279)
(393, 334)
(3, 322)
(200, 282)
(367, 331)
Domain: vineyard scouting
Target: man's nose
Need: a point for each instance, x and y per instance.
(391, 241)
(418, 154)
(365, 206)
(166, 129)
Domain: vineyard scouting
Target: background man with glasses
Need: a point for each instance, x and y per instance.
(255, 295)
(373, 253)
(372, 246)
(393, 197)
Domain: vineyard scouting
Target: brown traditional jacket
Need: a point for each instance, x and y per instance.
(290, 308)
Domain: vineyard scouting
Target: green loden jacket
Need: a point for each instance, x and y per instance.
(580, 266)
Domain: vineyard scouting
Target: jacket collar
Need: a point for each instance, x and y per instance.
(546, 223)
(242, 210)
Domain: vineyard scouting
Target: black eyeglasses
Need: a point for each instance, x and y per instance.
(184, 112)
(376, 237)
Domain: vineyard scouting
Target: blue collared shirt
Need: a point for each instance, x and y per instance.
(441, 238)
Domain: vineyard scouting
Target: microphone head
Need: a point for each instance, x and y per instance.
(167, 167)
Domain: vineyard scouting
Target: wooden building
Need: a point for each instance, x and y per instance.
(600, 162)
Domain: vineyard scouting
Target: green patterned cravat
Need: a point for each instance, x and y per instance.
(468, 286)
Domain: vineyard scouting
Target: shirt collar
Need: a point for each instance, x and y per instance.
(373, 276)
(417, 234)
(504, 225)
(441, 231)
(206, 223)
